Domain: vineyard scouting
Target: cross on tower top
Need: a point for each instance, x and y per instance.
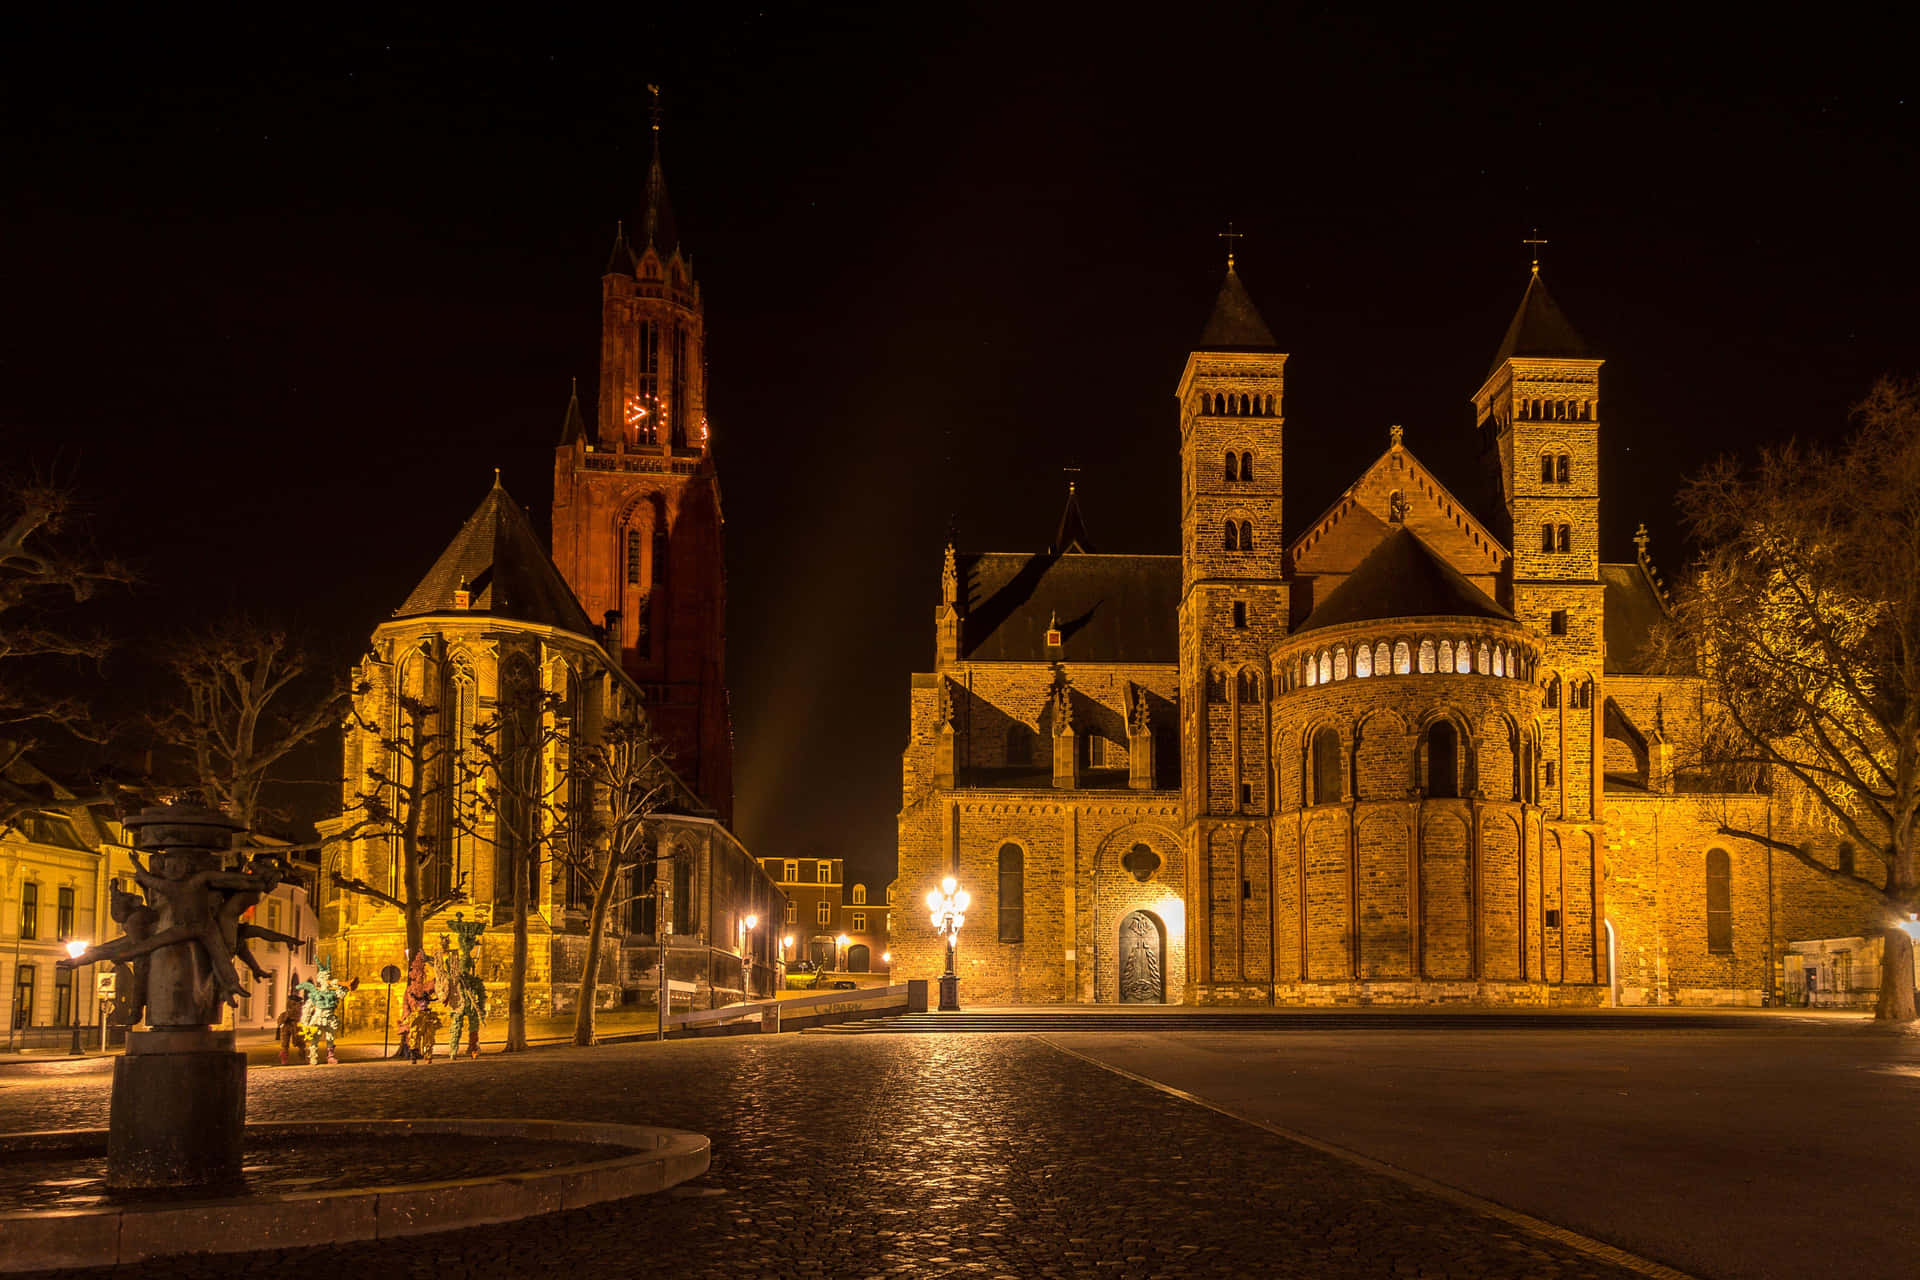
(1534, 242)
(1230, 235)
(654, 112)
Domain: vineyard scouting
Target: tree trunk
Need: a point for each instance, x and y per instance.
(1896, 976)
(517, 976)
(410, 892)
(590, 967)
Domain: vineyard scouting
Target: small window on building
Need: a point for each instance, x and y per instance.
(63, 913)
(1549, 773)
(23, 975)
(1546, 468)
(1443, 769)
(1426, 657)
(1013, 893)
(1246, 466)
(1240, 613)
(793, 872)
(1246, 795)
(1845, 859)
(1561, 469)
(793, 912)
(1564, 537)
(1402, 658)
(29, 910)
(1546, 538)
(1557, 622)
(859, 895)
(822, 913)
(1246, 535)
(1232, 536)
(1327, 772)
(1553, 694)
(859, 922)
(825, 872)
(1232, 466)
(1552, 915)
(1719, 902)
(62, 997)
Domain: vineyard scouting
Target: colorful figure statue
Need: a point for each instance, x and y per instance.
(462, 991)
(323, 1018)
(426, 1025)
(289, 1024)
(417, 998)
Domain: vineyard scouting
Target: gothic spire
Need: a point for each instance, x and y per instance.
(575, 426)
(620, 261)
(661, 234)
(1073, 529)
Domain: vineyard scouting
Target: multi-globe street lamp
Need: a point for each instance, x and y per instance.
(747, 927)
(948, 905)
(75, 948)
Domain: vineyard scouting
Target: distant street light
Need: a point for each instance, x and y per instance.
(747, 927)
(76, 947)
(948, 905)
(840, 952)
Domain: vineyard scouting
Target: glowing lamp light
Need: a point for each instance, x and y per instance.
(753, 922)
(843, 940)
(1912, 925)
(77, 946)
(787, 941)
(886, 957)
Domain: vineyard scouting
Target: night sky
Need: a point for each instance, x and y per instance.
(279, 299)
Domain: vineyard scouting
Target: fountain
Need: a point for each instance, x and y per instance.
(184, 1171)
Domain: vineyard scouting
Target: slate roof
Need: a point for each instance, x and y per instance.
(1634, 609)
(1539, 328)
(1235, 324)
(1110, 608)
(506, 571)
(1402, 578)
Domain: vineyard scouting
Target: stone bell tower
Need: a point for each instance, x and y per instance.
(636, 500)
(1233, 611)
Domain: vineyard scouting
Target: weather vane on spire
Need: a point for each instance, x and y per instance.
(1230, 235)
(1534, 242)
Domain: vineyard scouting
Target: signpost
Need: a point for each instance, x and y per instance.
(388, 975)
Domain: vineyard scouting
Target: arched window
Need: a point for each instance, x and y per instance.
(859, 895)
(1249, 687)
(1232, 536)
(1443, 752)
(1326, 766)
(1500, 661)
(1402, 658)
(1463, 659)
(1340, 663)
(1546, 538)
(1313, 672)
(1382, 662)
(1426, 657)
(1719, 902)
(1019, 744)
(1562, 468)
(1553, 693)
(1564, 537)
(1446, 656)
(1485, 662)
(1233, 466)
(1013, 893)
(1246, 405)
(1326, 666)
(1246, 466)
(1269, 406)
(1546, 468)
(1363, 662)
(1246, 535)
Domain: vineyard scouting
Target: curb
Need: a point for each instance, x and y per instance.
(651, 1160)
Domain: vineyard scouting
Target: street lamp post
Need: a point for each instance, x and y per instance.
(747, 927)
(75, 948)
(948, 905)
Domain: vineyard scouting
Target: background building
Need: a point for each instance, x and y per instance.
(821, 909)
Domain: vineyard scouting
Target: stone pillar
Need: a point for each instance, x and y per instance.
(179, 1110)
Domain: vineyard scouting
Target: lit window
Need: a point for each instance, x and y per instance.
(63, 913)
(825, 872)
(1402, 659)
(859, 922)
(29, 926)
(1719, 902)
(859, 895)
(1426, 657)
(1363, 662)
(823, 913)
(1013, 893)
(1340, 663)
(793, 872)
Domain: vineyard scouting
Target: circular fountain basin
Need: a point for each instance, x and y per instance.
(326, 1182)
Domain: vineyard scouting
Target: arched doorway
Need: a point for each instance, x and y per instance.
(1143, 959)
(859, 958)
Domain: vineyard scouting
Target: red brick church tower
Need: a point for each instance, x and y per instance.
(636, 502)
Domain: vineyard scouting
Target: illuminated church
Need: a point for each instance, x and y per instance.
(1410, 750)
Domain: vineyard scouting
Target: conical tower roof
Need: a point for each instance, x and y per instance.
(1235, 324)
(1539, 328)
(659, 232)
(1402, 578)
(498, 560)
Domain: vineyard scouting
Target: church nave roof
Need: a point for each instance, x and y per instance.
(1402, 577)
(1108, 608)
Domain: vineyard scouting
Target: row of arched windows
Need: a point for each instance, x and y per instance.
(1239, 466)
(1247, 687)
(1239, 536)
(1579, 694)
(1240, 406)
(1554, 410)
(1444, 657)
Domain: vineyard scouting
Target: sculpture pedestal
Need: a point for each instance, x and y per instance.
(950, 993)
(179, 1110)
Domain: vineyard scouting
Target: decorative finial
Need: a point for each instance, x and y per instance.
(1640, 541)
(496, 477)
(1395, 435)
(1230, 235)
(654, 112)
(1534, 242)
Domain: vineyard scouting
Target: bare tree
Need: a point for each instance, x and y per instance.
(405, 799)
(1802, 618)
(517, 796)
(247, 700)
(44, 564)
(618, 784)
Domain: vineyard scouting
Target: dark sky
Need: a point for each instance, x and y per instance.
(280, 298)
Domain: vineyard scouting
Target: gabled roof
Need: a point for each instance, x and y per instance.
(1433, 511)
(1633, 609)
(499, 561)
(1108, 608)
(1235, 324)
(1539, 328)
(1402, 578)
